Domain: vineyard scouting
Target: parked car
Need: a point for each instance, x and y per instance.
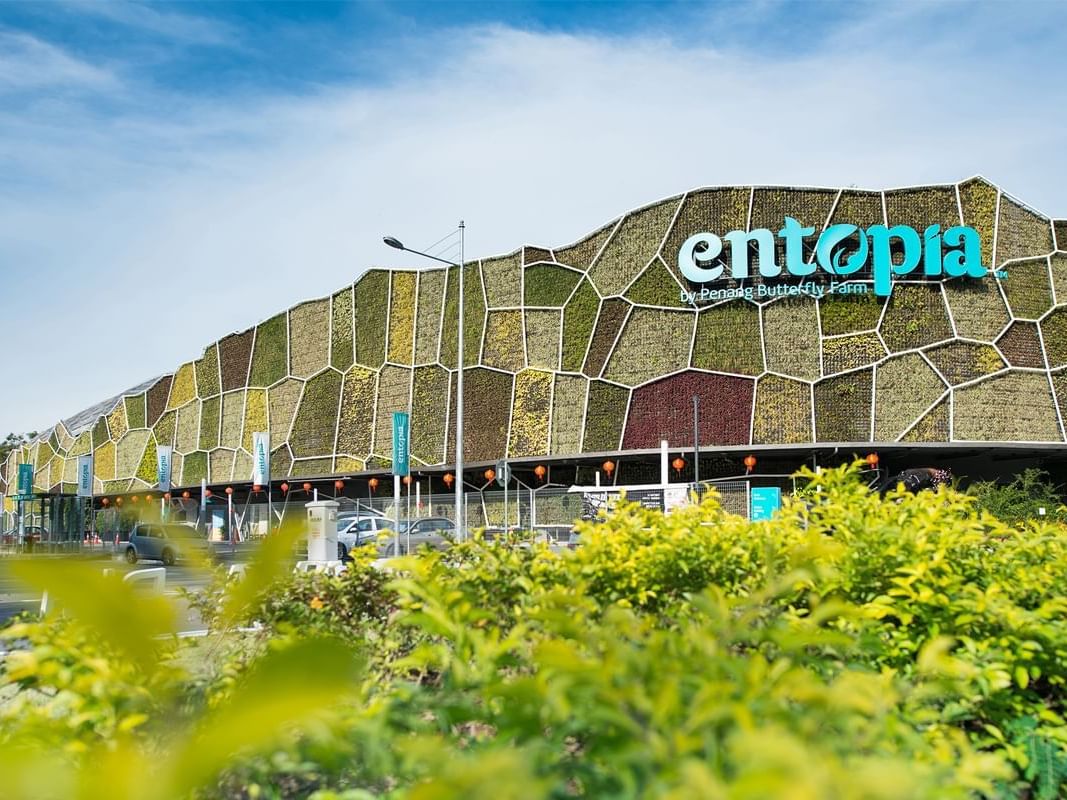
(166, 543)
(357, 531)
(435, 532)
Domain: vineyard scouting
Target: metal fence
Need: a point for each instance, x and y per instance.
(551, 510)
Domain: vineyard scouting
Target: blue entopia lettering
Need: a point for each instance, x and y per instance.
(840, 250)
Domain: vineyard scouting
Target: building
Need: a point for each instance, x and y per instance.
(594, 351)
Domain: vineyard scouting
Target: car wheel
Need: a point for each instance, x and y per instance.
(131, 555)
(342, 552)
(168, 557)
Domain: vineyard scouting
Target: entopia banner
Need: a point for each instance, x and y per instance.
(841, 250)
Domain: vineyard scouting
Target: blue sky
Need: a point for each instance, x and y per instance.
(170, 173)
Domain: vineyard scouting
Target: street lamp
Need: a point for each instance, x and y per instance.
(396, 244)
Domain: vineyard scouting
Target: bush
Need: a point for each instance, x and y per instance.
(1018, 502)
(855, 646)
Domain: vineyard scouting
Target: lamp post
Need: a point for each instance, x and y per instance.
(398, 245)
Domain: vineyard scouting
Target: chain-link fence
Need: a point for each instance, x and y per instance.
(549, 510)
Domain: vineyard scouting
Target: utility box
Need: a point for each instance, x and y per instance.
(322, 530)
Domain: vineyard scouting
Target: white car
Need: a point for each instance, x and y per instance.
(358, 531)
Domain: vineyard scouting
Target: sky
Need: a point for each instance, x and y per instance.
(173, 172)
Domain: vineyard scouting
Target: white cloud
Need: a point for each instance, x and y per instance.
(28, 63)
(155, 235)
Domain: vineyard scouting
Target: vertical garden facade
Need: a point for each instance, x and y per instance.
(594, 348)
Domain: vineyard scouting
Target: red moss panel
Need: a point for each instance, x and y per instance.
(234, 354)
(664, 410)
(157, 399)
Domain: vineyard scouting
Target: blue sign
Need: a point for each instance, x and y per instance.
(401, 439)
(765, 501)
(25, 484)
(954, 252)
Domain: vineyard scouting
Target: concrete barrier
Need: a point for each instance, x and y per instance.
(331, 567)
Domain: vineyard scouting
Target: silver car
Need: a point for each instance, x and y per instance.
(166, 543)
(435, 532)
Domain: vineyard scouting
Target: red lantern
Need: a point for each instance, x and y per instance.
(750, 463)
(307, 487)
(284, 487)
(872, 460)
(609, 467)
(229, 490)
(373, 484)
(489, 475)
(339, 485)
(134, 499)
(185, 495)
(678, 464)
(540, 472)
(104, 502)
(256, 487)
(407, 480)
(118, 501)
(449, 479)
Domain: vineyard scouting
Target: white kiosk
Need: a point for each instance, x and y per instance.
(322, 531)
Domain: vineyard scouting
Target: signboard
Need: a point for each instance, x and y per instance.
(401, 440)
(85, 476)
(503, 473)
(765, 500)
(25, 484)
(675, 497)
(839, 250)
(163, 461)
(260, 459)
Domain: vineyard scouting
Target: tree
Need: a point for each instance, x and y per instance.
(12, 441)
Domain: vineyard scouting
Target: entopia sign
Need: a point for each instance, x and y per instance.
(841, 250)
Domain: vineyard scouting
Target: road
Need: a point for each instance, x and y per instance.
(15, 598)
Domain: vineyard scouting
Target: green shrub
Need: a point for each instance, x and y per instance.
(1018, 501)
(854, 646)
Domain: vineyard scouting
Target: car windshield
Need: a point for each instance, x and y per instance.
(181, 532)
